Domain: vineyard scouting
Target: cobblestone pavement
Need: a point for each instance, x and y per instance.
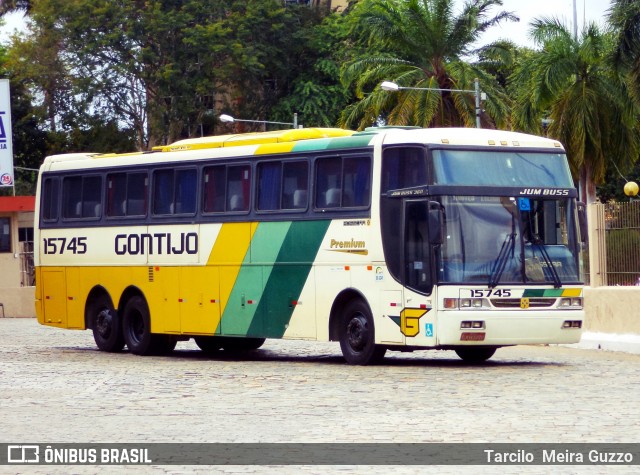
(56, 387)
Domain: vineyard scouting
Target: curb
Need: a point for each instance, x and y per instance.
(626, 343)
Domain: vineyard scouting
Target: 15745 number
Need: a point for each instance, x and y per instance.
(491, 293)
(76, 245)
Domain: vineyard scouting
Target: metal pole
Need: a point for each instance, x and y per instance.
(295, 120)
(477, 94)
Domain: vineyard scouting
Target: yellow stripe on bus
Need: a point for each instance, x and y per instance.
(229, 252)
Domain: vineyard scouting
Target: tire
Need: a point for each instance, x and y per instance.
(357, 335)
(475, 354)
(208, 344)
(106, 325)
(241, 343)
(136, 328)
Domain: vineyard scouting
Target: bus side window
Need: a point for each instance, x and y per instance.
(295, 183)
(214, 189)
(269, 185)
(328, 182)
(238, 188)
(137, 186)
(357, 182)
(403, 167)
(185, 191)
(81, 197)
(71, 197)
(163, 192)
(116, 194)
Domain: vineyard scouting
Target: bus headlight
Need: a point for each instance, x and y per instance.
(466, 303)
(572, 303)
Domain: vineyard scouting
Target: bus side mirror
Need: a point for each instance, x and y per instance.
(436, 220)
(582, 222)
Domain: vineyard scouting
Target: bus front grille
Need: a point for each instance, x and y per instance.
(516, 303)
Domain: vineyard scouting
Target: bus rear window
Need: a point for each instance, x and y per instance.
(50, 197)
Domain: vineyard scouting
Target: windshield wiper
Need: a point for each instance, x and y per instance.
(500, 263)
(557, 283)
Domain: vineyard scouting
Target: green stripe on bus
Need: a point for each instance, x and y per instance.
(542, 293)
(247, 293)
(332, 143)
(287, 278)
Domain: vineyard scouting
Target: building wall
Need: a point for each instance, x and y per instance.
(612, 310)
(17, 299)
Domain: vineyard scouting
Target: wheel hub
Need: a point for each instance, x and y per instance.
(357, 332)
(104, 322)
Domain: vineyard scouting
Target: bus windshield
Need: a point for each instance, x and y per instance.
(500, 168)
(508, 240)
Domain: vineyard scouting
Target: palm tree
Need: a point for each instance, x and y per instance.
(421, 43)
(624, 17)
(571, 82)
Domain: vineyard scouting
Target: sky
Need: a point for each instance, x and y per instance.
(527, 10)
(588, 10)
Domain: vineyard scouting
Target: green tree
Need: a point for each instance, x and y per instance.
(571, 82)
(422, 43)
(10, 6)
(315, 91)
(624, 18)
(163, 68)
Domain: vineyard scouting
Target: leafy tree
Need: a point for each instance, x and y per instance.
(161, 67)
(315, 91)
(10, 6)
(624, 18)
(422, 44)
(571, 81)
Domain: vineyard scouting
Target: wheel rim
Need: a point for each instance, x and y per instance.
(357, 332)
(104, 323)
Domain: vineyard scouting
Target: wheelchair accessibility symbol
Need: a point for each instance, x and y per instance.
(429, 329)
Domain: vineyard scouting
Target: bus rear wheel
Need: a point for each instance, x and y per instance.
(136, 327)
(357, 335)
(105, 325)
(475, 354)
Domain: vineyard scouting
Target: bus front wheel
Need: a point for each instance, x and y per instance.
(475, 354)
(136, 327)
(357, 335)
(105, 325)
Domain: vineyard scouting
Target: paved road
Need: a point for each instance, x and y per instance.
(55, 386)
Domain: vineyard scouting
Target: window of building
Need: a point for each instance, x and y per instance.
(5, 234)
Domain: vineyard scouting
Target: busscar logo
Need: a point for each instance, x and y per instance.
(23, 454)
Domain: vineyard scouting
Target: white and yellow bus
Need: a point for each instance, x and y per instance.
(387, 239)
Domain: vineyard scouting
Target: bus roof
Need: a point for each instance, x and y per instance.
(468, 136)
(254, 138)
(316, 139)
